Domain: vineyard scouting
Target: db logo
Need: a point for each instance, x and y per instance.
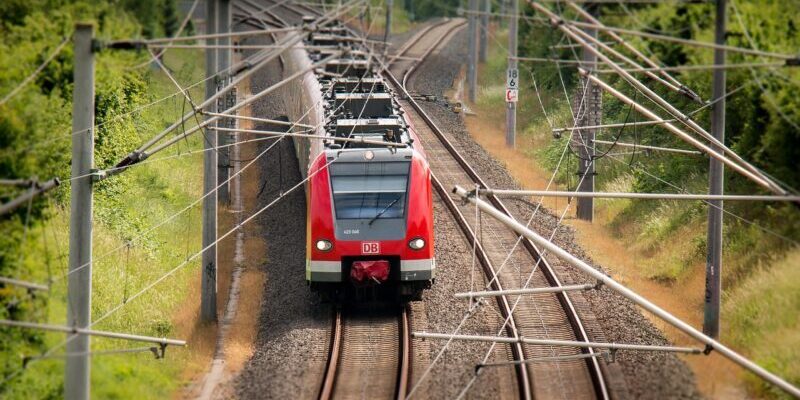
(370, 247)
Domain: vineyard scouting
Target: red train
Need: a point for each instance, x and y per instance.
(370, 208)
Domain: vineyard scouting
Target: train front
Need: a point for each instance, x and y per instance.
(370, 221)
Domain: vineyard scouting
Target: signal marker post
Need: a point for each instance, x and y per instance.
(512, 78)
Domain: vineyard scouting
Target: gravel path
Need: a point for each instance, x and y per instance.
(644, 375)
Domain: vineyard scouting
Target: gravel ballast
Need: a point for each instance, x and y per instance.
(645, 375)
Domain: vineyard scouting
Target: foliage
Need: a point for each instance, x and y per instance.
(763, 126)
(35, 137)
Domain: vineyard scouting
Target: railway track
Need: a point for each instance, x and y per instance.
(551, 316)
(370, 355)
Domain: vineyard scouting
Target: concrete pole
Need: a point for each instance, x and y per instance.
(483, 55)
(511, 107)
(388, 29)
(223, 62)
(589, 111)
(77, 371)
(503, 9)
(715, 186)
(472, 49)
(208, 283)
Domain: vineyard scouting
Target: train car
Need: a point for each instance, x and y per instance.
(370, 207)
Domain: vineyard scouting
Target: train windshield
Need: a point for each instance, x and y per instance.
(369, 190)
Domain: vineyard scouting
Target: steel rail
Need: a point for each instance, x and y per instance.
(404, 370)
(430, 49)
(335, 352)
(585, 268)
(593, 364)
(525, 386)
(329, 378)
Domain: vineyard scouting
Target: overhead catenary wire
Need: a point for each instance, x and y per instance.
(724, 210)
(685, 136)
(175, 215)
(16, 373)
(689, 42)
(260, 61)
(37, 71)
(681, 87)
(185, 21)
(496, 274)
(147, 42)
(639, 300)
(741, 165)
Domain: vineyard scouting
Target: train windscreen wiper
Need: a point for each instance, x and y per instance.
(383, 211)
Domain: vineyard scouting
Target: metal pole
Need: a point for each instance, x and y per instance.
(472, 48)
(646, 147)
(77, 371)
(501, 21)
(513, 292)
(483, 54)
(587, 269)
(388, 29)
(223, 63)
(589, 111)
(511, 106)
(624, 195)
(90, 332)
(715, 187)
(25, 198)
(556, 342)
(208, 283)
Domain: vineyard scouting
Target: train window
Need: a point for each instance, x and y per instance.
(369, 190)
(369, 205)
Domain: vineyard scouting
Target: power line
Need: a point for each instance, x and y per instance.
(36, 72)
(689, 42)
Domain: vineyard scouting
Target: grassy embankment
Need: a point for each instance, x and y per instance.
(126, 206)
(658, 247)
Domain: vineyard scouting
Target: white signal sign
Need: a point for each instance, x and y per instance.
(512, 78)
(512, 95)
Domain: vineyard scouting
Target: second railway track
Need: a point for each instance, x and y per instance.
(550, 316)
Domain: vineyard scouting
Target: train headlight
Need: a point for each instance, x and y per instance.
(324, 245)
(369, 155)
(417, 244)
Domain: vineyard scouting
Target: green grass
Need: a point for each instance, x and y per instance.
(762, 317)
(149, 195)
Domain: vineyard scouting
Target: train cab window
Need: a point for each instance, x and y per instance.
(374, 190)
